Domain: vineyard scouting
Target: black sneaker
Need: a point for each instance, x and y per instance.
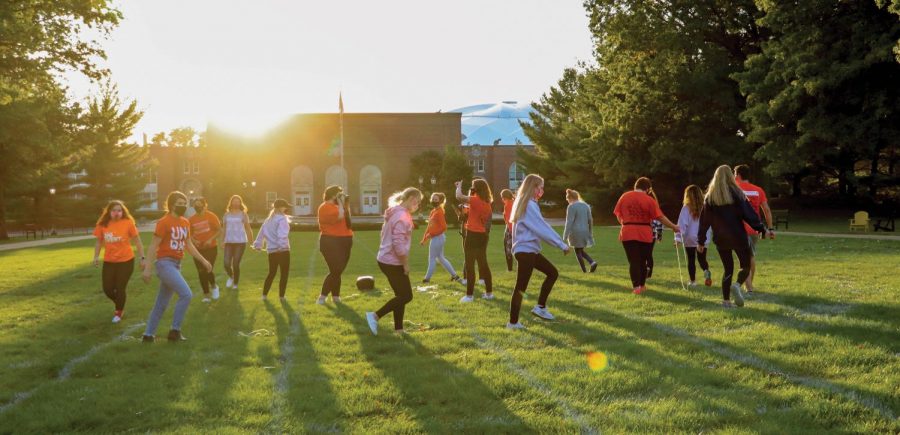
(175, 336)
(148, 339)
(593, 266)
(426, 281)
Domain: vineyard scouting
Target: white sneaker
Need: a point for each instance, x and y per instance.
(263, 298)
(480, 282)
(116, 319)
(215, 293)
(692, 284)
(335, 299)
(542, 313)
(488, 296)
(466, 299)
(207, 300)
(321, 300)
(463, 281)
(515, 325)
(373, 322)
(229, 283)
(738, 296)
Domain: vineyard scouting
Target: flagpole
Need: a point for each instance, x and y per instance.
(341, 106)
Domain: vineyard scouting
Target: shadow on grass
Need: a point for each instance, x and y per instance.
(443, 397)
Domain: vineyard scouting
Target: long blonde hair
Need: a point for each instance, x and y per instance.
(403, 195)
(722, 188)
(525, 194)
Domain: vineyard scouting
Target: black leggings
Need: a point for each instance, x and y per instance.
(582, 258)
(399, 282)
(115, 280)
(744, 255)
(638, 254)
(700, 257)
(475, 246)
(278, 260)
(528, 261)
(232, 256)
(507, 248)
(336, 251)
(207, 279)
(650, 259)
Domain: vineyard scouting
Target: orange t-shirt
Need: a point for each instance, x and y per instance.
(757, 198)
(116, 239)
(635, 210)
(437, 223)
(479, 214)
(174, 232)
(507, 212)
(329, 222)
(205, 227)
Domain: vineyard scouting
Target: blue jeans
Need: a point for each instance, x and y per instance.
(170, 282)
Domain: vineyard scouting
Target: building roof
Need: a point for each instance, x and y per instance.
(495, 124)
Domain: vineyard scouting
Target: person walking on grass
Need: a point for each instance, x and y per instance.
(507, 197)
(634, 211)
(205, 228)
(170, 239)
(689, 224)
(393, 256)
(237, 234)
(529, 230)
(758, 201)
(477, 226)
(274, 237)
(335, 240)
(115, 231)
(435, 233)
(725, 209)
(579, 230)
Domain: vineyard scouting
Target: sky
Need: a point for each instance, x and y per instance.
(247, 65)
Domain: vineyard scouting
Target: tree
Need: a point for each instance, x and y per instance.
(114, 168)
(825, 102)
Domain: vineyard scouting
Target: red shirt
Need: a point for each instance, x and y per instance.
(437, 224)
(507, 212)
(635, 210)
(479, 213)
(330, 224)
(757, 198)
(174, 232)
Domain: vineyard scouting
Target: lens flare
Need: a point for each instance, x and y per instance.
(597, 361)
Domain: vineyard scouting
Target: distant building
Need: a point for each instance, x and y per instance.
(300, 158)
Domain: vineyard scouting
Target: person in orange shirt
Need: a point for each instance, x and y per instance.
(477, 225)
(635, 210)
(170, 239)
(335, 240)
(115, 231)
(436, 233)
(205, 228)
(507, 196)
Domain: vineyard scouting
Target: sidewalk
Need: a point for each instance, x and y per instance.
(57, 240)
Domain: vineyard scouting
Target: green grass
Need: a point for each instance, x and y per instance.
(816, 350)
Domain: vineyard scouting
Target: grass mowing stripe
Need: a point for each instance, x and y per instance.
(66, 371)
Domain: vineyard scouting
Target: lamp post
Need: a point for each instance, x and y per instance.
(52, 211)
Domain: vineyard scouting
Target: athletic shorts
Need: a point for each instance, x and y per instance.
(751, 239)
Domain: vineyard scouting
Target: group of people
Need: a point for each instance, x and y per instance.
(728, 210)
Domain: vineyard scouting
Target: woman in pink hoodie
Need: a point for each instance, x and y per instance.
(393, 255)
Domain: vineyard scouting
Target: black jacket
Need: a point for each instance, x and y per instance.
(727, 222)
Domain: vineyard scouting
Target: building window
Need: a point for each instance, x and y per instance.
(270, 199)
(196, 167)
(186, 167)
(477, 165)
(516, 175)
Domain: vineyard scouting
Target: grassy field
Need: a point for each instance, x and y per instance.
(817, 350)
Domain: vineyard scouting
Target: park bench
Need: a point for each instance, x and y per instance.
(781, 217)
(33, 229)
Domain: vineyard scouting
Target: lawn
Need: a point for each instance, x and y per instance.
(817, 350)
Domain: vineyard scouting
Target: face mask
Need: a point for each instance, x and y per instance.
(180, 209)
(116, 214)
(436, 202)
(199, 209)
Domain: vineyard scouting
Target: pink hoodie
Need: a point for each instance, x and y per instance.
(396, 235)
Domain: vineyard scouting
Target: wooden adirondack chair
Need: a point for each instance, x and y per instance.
(860, 221)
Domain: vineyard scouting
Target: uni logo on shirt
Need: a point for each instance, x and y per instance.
(178, 236)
